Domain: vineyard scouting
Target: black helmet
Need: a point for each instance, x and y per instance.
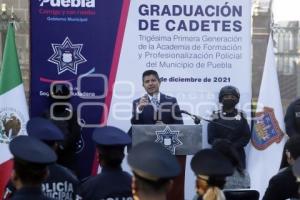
(229, 90)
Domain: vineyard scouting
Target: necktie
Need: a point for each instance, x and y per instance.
(155, 102)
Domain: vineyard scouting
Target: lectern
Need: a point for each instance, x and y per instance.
(178, 139)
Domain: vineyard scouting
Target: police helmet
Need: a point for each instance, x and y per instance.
(229, 90)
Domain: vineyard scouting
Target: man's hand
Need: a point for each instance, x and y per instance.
(143, 102)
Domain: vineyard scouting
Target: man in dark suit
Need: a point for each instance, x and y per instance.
(158, 108)
(155, 107)
(283, 185)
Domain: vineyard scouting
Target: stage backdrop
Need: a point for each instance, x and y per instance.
(74, 41)
(102, 48)
(196, 47)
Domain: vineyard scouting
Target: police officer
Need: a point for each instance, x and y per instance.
(112, 183)
(296, 172)
(65, 118)
(292, 118)
(292, 125)
(236, 129)
(61, 183)
(211, 169)
(283, 185)
(31, 160)
(154, 169)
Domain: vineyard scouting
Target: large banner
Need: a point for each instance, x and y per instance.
(75, 41)
(102, 48)
(197, 47)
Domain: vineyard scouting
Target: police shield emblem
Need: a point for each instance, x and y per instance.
(266, 129)
(168, 138)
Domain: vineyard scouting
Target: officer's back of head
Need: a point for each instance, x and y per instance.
(31, 158)
(45, 130)
(292, 149)
(110, 142)
(211, 169)
(154, 168)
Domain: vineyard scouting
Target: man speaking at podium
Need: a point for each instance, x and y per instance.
(158, 108)
(155, 107)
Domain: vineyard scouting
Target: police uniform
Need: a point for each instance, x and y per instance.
(112, 183)
(70, 128)
(33, 154)
(292, 118)
(283, 185)
(296, 169)
(296, 172)
(212, 167)
(292, 125)
(152, 162)
(61, 183)
(238, 132)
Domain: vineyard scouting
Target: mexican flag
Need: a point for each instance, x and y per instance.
(13, 106)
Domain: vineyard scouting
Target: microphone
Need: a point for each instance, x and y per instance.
(194, 117)
(197, 120)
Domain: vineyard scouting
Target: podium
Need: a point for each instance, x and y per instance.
(178, 139)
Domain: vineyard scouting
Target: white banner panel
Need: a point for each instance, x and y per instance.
(197, 47)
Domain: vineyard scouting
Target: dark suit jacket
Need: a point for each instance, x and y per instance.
(282, 186)
(168, 112)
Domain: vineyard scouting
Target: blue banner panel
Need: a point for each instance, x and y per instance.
(74, 41)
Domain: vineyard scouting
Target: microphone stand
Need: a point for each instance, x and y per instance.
(197, 120)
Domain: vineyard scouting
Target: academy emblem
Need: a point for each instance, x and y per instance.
(168, 139)
(67, 56)
(12, 123)
(266, 129)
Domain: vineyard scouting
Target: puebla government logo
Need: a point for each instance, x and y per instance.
(12, 123)
(266, 129)
(168, 138)
(67, 56)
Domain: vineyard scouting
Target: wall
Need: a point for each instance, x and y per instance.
(21, 9)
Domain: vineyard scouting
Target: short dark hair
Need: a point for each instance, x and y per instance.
(150, 72)
(111, 155)
(30, 173)
(293, 146)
